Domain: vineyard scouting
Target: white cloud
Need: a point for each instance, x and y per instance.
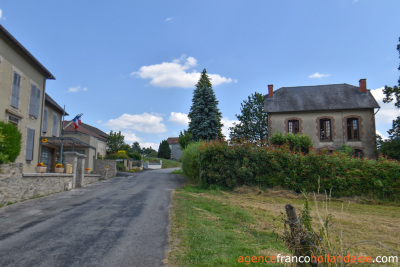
(99, 121)
(169, 19)
(179, 118)
(384, 136)
(178, 73)
(77, 89)
(388, 111)
(318, 75)
(1, 15)
(146, 123)
(227, 123)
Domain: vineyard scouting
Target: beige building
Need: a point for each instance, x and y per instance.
(22, 90)
(88, 140)
(332, 115)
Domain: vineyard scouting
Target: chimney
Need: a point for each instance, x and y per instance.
(270, 90)
(363, 86)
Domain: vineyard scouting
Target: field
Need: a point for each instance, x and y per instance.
(215, 227)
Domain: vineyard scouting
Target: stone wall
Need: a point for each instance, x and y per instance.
(16, 186)
(91, 178)
(101, 168)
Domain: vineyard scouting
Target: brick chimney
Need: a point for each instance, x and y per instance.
(270, 90)
(363, 86)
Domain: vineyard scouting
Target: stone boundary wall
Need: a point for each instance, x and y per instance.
(16, 186)
(91, 178)
(101, 168)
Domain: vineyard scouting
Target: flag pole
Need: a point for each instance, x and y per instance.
(62, 135)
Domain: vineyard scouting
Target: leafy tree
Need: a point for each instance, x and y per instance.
(253, 125)
(391, 94)
(391, 147)
(115, 142)
(164, 151)
(10, 144)
(184, 139)
(136, 148)
(205, 117)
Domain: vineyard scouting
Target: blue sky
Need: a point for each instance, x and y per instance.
(132, 65)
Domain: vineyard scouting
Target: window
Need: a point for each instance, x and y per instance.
(325, 129)
(13, 120)
(45, 115)
(55, 124)
(30, 140)
(293, 126)
(353, 129)
(15, 90)
(34, 103)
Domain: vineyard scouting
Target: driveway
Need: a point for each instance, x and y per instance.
(118, 222)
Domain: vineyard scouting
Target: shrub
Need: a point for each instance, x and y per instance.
(11, 144)
(246, 164)
(121, 166)
(135, 156)
(190, 161)
(116, 156)
(298, 142)
(346, 150)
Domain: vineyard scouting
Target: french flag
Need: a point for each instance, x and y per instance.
(77, 121)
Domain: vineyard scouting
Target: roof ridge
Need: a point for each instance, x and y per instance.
(317, 85)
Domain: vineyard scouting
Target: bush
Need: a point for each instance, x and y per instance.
(247, 164)
(135, 156)
(298, 142)
(121, 167)
(190, 161)
(11, 144)
(116, 156)
(346, 150)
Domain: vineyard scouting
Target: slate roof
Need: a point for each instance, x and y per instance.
(50, 101)
(320, 97)
(95, 130)
(173, 140)
(22, 50)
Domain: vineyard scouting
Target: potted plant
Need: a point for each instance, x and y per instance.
(40, 168)
(59, 168)
(87, 171)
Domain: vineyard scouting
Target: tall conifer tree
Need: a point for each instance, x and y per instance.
(205, 117)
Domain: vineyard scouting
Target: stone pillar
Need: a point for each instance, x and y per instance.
(71, 158)
(80, 170)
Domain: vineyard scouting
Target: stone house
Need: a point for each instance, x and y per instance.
(88, 140)
(22, 95)
(176, 151)
(332, 115)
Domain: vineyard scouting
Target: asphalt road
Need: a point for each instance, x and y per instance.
(118, 222)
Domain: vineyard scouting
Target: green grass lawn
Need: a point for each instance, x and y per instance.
(215, 227)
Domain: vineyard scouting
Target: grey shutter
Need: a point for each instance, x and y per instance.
(30, 140)
(55, 122)
(34, 104)
(15, 90)
(37, 102)
(44, 126)
(32, 101)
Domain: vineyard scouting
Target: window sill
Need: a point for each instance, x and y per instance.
(326, 141)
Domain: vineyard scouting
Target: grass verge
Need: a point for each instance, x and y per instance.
(166, 163)
(214, 227)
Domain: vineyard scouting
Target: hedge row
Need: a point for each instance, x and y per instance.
(245, 164)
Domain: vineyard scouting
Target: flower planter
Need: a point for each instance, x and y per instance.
(40, 169)
(59, 170)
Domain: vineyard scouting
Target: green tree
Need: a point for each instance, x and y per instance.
(149, 151)
(10, 146)
(253, 125)
(205, 117)
(184, 139)
(136, 148)
(114, 142)
(164, 151)
(393, 94)
(391, 147)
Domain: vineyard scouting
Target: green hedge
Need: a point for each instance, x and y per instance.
(10, 144)
(190, 161)
(245, 164)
